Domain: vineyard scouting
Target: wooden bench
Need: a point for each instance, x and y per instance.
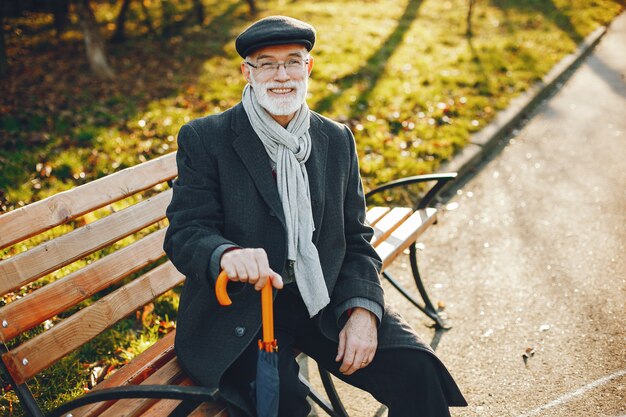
(54, 302)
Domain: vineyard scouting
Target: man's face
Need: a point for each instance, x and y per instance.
(281, 91)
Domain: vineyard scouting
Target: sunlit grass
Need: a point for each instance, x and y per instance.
(403, 75)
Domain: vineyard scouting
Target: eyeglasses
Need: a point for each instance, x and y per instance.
(293, 66)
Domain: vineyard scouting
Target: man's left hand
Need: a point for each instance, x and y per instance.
(357, 341)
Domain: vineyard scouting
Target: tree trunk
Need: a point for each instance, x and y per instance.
(199, 11)
(4, 62)
(93, 40)
(252, 4)
(167, 12)
(60, 10)
(147, 20)
(120, 27)
(470, 11)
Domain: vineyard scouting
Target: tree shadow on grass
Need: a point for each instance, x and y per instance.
(548, 9)
(493, 66)
(370, 73)
(52, 104)
(478, 63)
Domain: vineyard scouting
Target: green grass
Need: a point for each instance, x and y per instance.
(402, 74)
(70, 377)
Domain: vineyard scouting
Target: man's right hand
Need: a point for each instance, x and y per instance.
(251, 266)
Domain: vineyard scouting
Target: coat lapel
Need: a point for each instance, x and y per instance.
(253, 155)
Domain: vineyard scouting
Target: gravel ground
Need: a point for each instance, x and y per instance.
(531, 255)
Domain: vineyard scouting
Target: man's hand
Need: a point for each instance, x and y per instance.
(357, 341)
(251, 266)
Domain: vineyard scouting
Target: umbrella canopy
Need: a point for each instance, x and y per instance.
(266, 385)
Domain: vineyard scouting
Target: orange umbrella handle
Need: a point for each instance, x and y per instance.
(220, 289)
(267, 304)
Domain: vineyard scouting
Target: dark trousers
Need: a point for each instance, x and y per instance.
(405, 380)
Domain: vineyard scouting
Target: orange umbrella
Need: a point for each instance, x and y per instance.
(266, 386)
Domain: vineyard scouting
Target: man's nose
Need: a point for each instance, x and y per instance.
(281, 73)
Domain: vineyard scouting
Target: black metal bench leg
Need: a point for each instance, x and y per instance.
(406, 295)
(27, 401)
(329, 408)
(333, 396)
(429, 308)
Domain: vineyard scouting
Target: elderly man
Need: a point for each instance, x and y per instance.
(269, 190)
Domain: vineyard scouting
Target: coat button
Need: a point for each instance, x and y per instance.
(240, 331)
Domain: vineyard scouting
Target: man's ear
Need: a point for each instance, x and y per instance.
(309, 66)
(245, 70)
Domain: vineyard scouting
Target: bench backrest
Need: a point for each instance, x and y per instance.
(63, 250)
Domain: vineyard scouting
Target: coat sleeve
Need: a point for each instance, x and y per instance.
(194, 236)
(359, 274)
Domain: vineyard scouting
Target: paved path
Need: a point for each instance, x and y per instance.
(535, 257)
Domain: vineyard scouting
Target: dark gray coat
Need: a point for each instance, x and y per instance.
(226, 194)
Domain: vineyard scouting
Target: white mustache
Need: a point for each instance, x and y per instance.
(271, 85)
(280, 105)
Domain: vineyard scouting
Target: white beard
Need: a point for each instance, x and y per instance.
(280, 106)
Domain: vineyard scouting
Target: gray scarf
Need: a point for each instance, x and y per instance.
(289, 148)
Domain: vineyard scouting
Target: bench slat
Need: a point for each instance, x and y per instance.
(163, 408)
(134, 372)
(46, 348)
(49, 256)
(374, 214)
(22, 223)
(137, 371)
(54, 298)
(405, 235)
(168, 374)
(210, 410)
(387, 224)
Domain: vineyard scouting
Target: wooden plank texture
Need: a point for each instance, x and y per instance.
(405, 235)
(168, 374)
(22, 223)
(31, 310)
(216, 409)
(389, 222)
(43, 350)
(163, 408)
(49, 256)
(134, 372)
(374, 214)
(159, 356)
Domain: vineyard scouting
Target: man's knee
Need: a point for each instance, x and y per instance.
(413, 384)
(420, 363)
(410, 364)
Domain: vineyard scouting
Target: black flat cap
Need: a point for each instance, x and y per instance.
(275, 30)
